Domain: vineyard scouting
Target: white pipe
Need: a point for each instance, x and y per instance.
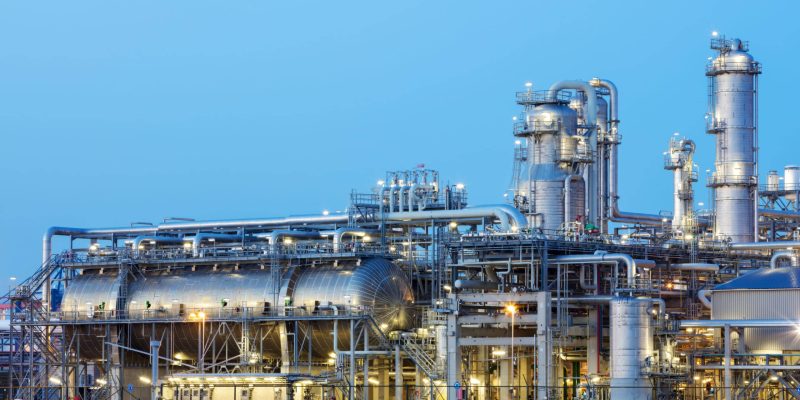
(411, 193)
(498, 212)
(163, 239)
(198, 239)
(275, 236)
(590, 107)
(790, 255)
(699, 267)
(605, 258)
(614, 213)
(704, 295)
(340, 233)
(766, 245)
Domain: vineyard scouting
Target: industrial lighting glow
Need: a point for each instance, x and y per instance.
(201, 315)
(447, 288)
(459, 186)
(453, 225)
(145, 379)
(381, 182)
(714, 33)
(325, 212)
(100, 381)
(511, 309)
(528, 84)
(498, 353)
(474, 381)
(373, 381)
(517, 142)
(54, 380)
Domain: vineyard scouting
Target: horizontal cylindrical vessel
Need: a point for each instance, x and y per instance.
(376, 285)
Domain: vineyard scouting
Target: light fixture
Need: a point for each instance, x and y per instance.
(145, 379)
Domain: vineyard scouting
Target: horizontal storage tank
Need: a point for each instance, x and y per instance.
(377, 284)
(763, 294)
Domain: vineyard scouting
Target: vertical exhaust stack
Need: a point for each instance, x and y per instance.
(733, 119)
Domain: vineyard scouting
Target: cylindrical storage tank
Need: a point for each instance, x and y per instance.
(631, 348)
(377, 284)
(773, 181)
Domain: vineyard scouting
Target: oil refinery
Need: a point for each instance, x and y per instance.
(413, 293)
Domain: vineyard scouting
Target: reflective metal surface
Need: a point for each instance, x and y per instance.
(631, 346)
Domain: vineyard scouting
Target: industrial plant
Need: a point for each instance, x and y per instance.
(411, 292)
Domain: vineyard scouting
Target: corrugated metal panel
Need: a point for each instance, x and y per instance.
(761, 304)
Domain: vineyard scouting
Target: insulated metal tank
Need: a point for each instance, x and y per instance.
(542, 179)
(377, 284)
(791, 177)
(733, 119)
(773, 181)
(631, 348)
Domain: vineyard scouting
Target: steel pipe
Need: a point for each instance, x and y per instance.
(340, 233)
(605, 258)
(153, 238)
(198, 239)
(699, 267)
(790, 255)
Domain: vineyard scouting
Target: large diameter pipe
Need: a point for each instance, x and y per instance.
(198, 239)
(699, 267)
(605, 258)
(787, 245)
(153, 238)
(777, 256)
(499, 212)
(339, 234)
(590, 110)
(614, 213)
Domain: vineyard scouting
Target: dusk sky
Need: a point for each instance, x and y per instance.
(113, 112)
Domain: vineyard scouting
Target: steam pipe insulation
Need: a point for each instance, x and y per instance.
(699, 267)
(275, 236)
(787, 245)
(704, 295)
(473, 212)
(156, 239)
(614, 213)
(198, 239)
(590, 108)
(476, 284)
(515, 214)
(340, 233)
(777, 256)
(605, 258)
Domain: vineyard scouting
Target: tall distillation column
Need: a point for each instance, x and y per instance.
(680, 160)
(549, 189)
(733, 119)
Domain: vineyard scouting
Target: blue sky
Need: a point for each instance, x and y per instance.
(113, 112)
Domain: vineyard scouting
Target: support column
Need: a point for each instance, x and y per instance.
(505, 380)
(366, 388)
(727, 362)
(383, 378)
(352, 391)
(544, 348)
(398, 373)
(154, 346)
(453, 365)
(593, 337)
(284, 339)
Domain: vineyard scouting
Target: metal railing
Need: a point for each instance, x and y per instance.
(532, 97)
(175, 312)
